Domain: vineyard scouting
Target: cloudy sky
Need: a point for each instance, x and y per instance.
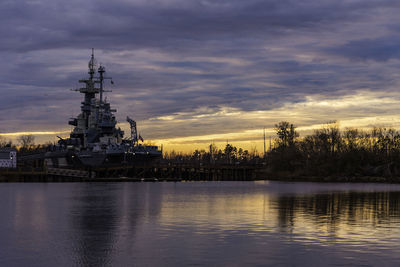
(192, 72)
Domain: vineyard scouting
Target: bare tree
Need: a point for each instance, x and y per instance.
(4, 142)
(26, 141)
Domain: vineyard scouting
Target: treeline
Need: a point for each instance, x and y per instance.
(25, 144)
(327, 151)
(213, 155)
(331, 151)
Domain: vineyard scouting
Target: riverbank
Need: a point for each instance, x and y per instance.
(337, 179)
(298, 176)
(151, 172)
(175, 174)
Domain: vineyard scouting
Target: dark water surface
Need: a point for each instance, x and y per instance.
(202, 223)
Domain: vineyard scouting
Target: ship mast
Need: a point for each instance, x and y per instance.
(92, 65)
(96, 119)
(101, 79)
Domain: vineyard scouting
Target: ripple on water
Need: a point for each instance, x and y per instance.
(224, 223)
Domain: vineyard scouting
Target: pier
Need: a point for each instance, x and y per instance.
(134, 173)
(187, 172)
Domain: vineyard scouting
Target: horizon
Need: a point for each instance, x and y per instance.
(186, 146)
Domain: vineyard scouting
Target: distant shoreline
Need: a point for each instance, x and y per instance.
(26, 177)
(339, 179)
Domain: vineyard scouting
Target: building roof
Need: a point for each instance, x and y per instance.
(5, 152)
(7, 149)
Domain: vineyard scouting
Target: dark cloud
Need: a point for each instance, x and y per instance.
(378, 49)
(126, 24)
(170, 57)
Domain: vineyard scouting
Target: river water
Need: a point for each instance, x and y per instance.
(199, 223)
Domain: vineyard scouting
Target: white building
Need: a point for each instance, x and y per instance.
(8, 157)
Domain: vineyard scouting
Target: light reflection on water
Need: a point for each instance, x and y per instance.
(209, 223)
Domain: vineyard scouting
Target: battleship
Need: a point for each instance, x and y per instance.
(95, 139)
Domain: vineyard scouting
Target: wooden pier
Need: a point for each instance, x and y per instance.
(185, 172)
(153, 172)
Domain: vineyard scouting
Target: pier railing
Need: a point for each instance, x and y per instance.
(137, 172)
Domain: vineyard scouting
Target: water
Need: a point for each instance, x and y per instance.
(201, 223)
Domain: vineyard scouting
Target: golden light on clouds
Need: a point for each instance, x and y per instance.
(33, 133)
(362, 110)
(187, 131)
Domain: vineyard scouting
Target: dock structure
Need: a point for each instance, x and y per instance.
(187, 172)
(68, 173)
(145, 172)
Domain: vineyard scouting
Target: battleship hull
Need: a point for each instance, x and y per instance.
(79, 160)
(91, 159)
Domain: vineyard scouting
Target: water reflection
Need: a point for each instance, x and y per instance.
(211, 223)
(352, 218)
(95, 217)
(372, 208)
(105, 219)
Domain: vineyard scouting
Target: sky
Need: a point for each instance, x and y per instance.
(195, 72)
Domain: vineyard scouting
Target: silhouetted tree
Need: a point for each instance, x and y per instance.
(26, 142)
(5, 143)
(230, 152)
(286, 134)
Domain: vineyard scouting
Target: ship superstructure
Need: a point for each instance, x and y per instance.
(95, 140)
